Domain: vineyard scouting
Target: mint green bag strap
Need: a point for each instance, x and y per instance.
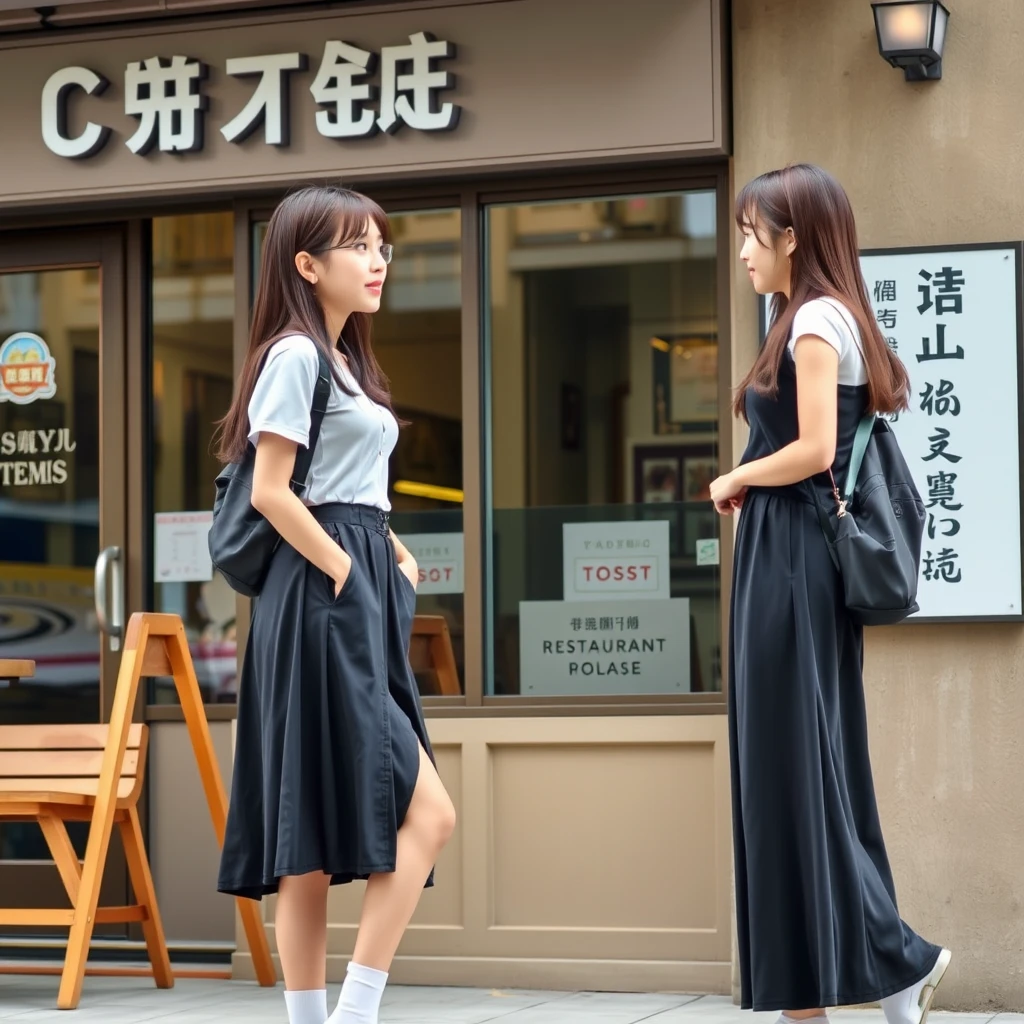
(860, 446)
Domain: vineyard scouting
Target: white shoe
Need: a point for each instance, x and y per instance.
(911, 1005)
(931, 983)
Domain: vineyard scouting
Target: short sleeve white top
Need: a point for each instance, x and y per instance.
(833, 323)
(357, 436)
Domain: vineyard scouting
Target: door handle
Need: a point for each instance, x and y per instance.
(110, 614)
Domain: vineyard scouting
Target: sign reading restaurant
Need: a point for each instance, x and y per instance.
(165, 95)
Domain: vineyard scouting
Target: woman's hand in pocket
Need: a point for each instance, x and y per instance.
(342, 573)
(411, 570)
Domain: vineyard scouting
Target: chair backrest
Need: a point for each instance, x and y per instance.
(67, 757)
(432, 657)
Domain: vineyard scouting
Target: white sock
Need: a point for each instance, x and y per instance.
(308, 1007)
(360, 996)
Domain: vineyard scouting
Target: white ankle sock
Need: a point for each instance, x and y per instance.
(308, 1007)
(360, 996)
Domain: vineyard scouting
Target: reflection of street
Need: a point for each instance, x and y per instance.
(47, 615)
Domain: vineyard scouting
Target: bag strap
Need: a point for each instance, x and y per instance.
(321, 394)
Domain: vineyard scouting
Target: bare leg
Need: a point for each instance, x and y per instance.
(300, 924)
(391, 898)
(804, 1014)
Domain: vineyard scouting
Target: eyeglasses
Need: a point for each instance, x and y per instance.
(387, 250)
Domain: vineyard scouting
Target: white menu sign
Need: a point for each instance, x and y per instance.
(953, 318)
(182, 547)
(577, 648)
(609, 561)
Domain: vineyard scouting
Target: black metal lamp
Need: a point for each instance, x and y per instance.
(911, 34)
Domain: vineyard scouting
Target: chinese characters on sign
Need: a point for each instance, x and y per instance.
(578, 647)
(952, 317)
(165, 94)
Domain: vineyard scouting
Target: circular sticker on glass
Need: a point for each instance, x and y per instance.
(27, 370)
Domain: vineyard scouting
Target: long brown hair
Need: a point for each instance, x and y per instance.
(825, 264)
(312, 220)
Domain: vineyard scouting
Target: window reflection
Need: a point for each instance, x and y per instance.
(192, 359)
(602, 340)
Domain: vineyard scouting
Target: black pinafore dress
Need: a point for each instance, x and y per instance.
(817, 920)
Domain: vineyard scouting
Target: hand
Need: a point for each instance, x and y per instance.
(340, 581)
(728, 494)
(411, 571)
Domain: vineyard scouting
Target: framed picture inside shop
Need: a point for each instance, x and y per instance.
(685, 384)
(678, 475)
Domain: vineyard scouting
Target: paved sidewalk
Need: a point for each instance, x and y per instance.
(133, 1000)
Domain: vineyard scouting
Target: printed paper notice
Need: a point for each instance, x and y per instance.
(182, 547)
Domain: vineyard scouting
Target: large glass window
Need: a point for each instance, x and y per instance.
(192, 305)
(602, 352)
(418, 340)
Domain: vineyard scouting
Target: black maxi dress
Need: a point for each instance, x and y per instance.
(329, 729)
(817, 921)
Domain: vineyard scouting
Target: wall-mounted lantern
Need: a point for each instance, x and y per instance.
(911, 34)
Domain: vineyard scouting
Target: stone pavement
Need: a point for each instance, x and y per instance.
(133, 1000)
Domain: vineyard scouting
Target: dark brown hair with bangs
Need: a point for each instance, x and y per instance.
(313, 220)
(825, 264)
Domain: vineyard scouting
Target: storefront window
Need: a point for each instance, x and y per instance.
(602, 354)
(418, 338)
(192, 331)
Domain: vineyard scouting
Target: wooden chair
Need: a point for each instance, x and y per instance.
(51, 774)
(431, 654)
(57, 773)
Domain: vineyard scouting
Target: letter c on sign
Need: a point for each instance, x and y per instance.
(55, 113)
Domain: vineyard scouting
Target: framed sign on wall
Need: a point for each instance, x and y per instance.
(953, 316)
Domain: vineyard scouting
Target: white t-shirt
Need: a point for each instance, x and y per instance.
(833, 323)
(357, 436)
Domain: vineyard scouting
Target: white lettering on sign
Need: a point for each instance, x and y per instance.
(29, 442)
(440, 561)
(166, 95)
(268, 105)
(605, 561)
(166, 99)
(56, 100)
(28, 474)
(953, 318)
(576, 648)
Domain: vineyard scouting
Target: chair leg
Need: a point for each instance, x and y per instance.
(57, 839)
(145, 895)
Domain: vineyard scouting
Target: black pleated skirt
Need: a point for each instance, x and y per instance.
(329, 729)
(817, 921)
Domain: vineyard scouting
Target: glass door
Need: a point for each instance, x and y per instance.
(62, 512)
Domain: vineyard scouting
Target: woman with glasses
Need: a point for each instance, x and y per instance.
(334, 777)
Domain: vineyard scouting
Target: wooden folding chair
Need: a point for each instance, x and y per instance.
(52, 774)
(57, 773)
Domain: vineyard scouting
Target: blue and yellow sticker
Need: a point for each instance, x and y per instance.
(27, 370)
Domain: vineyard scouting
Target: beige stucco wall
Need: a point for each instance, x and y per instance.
(933, 163)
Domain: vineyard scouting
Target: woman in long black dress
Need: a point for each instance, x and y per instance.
(334, 776)
(817, 920)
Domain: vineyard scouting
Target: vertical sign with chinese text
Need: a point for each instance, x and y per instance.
(953, 317)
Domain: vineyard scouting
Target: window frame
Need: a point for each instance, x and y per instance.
(472, 198)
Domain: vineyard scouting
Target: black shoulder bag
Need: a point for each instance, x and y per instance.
(875, 538)
(242, 542)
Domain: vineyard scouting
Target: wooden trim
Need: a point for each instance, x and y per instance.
(473, 604)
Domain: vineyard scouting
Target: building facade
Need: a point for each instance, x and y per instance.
(562, 325)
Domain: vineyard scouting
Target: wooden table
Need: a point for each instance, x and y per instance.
(12, 671)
